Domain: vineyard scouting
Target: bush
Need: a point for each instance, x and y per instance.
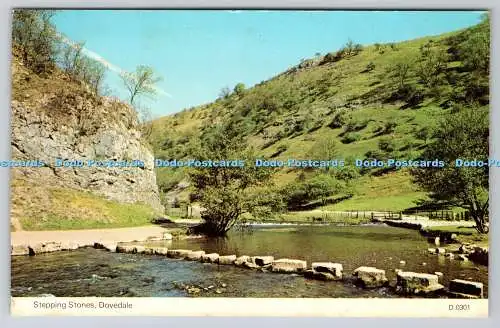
(375, 154)
(353, 125)
(390, 127)
(347, 173)
(370, 67)
(301, 192)
(339, 119)
(350, 137)
(386, 144)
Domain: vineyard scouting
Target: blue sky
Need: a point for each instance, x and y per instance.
(199, 52)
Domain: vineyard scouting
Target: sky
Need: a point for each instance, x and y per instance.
(197, 53)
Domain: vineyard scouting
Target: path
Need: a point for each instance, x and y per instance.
(88, 236)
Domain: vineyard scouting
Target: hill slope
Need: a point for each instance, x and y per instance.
(375, 102)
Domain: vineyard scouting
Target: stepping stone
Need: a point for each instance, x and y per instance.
(333, 268)
(209, 258)
(370, 277)
(288, 266)
(417, 283)
(226, 259)
(466, 289)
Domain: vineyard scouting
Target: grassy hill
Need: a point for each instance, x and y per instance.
(377, 101)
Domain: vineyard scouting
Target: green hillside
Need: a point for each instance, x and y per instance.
(377, 101)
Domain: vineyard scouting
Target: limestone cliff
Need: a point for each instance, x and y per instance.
(55, 117)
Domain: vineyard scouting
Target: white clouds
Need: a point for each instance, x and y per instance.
(112, 67)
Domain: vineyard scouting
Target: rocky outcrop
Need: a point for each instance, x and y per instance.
(55, 118)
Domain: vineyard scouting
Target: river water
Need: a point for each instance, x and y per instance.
(91, 272)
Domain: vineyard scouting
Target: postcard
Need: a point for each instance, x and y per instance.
(250, 163)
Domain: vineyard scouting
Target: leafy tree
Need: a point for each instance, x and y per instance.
(475, 51)
(226, 193)
(324, 149)
(303, 191)
(142, 82)
(462, 135)
(34, 32)
(432, 63)
(399, 73)
(239, 89)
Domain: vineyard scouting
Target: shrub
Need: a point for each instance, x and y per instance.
(350, 137)
(347, 172)
(386, 144)
(370, 67)
(339, 119)
(390, 127)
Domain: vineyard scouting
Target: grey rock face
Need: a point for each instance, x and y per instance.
(110, 132)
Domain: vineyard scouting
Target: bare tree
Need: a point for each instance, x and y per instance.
(141, 82)
(145, 116)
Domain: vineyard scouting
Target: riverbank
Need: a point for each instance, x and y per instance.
(25, 242)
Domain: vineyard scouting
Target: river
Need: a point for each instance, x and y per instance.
(91, 272)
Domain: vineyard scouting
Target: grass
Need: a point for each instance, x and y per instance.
(42, 208)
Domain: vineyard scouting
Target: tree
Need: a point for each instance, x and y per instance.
(461, 135)
(324, 149)
(226, 193)
(349, 47)
(302, 191)
(432, 63)
(239, 89)
(34, 32)
(399, 73)
(475, 51)
(142, 82)
(145, 116)
(71, 58)
(225, 93)
(93, 74)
